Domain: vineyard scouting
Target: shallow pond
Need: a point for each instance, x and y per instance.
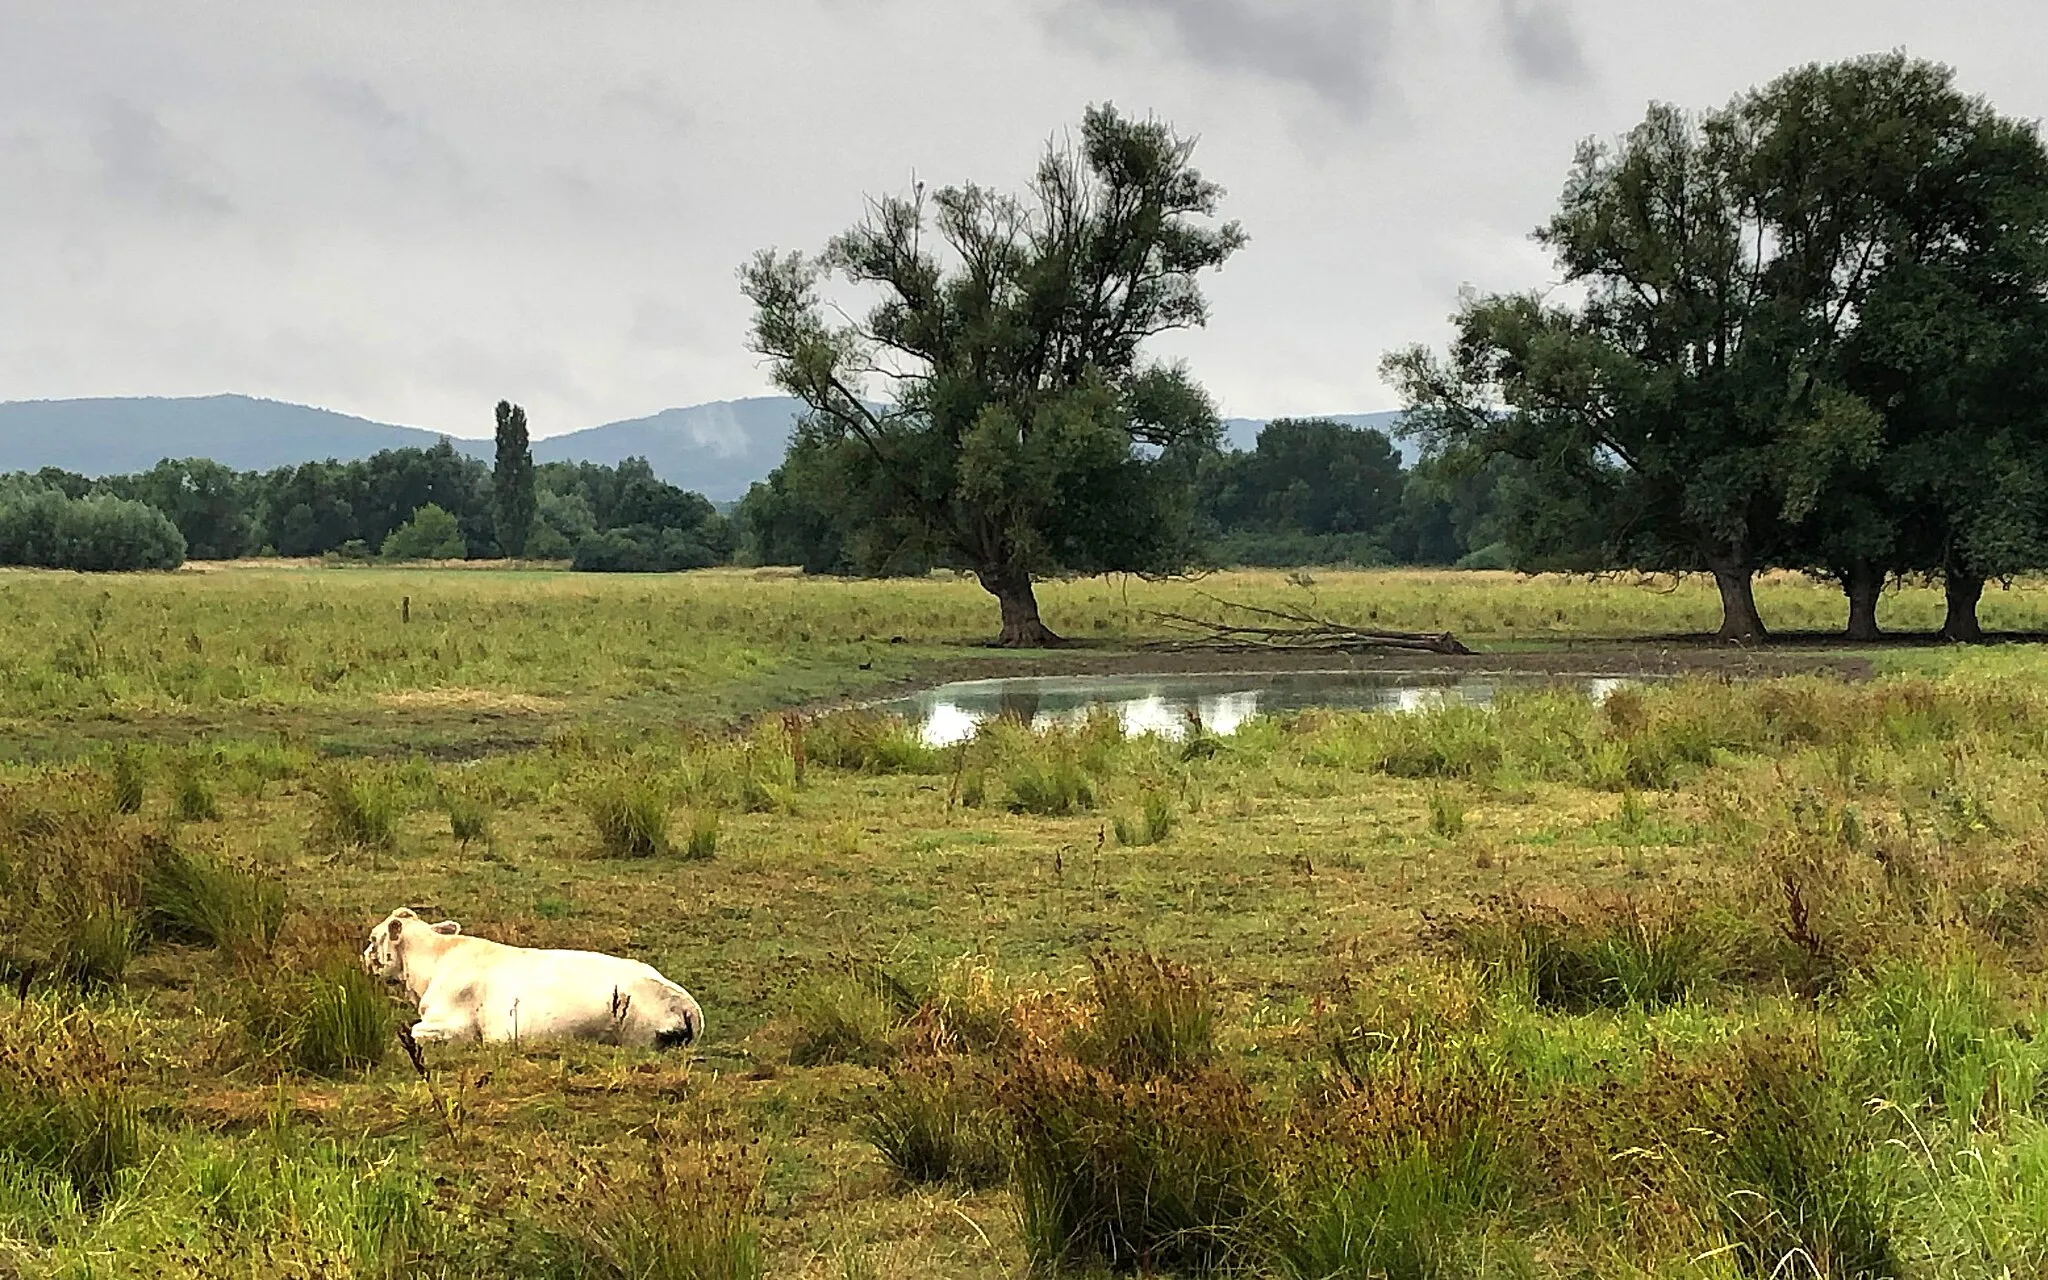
(1163, 704)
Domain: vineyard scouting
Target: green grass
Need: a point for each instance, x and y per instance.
(192, 796)
(496, 658)
(631, 818)
(1152, 822)
(469, 819)
(334, 1021)
(1704, 981)
(359, 810)
(209, 901)
(936, 1126)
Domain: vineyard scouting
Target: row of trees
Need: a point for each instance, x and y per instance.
(1320, 492)
(1808, 330)
(1310, 492)
(400, 504)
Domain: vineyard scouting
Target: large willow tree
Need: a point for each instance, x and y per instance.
(995, 410)
(1802, 332)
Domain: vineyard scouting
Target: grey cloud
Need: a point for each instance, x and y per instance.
(651, 98)
(141, 163)
(1542, 44)
(1334, 49)
(398, 143)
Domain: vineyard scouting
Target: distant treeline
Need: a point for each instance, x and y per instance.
(1311, 492)
(399, 504)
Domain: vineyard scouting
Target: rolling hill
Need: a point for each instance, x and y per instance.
(111, 436)
(716, 449)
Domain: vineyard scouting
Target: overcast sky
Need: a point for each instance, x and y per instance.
(407, 210)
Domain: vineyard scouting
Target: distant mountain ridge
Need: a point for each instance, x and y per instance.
(717, 449)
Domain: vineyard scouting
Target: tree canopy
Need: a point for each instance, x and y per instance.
(513, 497)
(1779, 307)
(1022, 430)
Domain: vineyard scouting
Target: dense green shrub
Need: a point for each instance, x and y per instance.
(45, 529)
(1287, 549)
(643, 550)
(431, 534)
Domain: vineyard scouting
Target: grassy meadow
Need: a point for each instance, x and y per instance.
(1718, 978)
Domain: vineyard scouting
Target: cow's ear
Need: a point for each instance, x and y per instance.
(405, 913)
(447, 926)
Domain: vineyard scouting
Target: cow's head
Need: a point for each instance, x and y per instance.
(384, 957)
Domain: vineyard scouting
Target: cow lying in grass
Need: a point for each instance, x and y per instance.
(474, 989)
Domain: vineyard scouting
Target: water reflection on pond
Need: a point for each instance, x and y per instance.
(1222, 702)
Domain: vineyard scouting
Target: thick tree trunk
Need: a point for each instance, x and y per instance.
(1739, 618)
(1863, 583)
(1964, 590)
(1021, 627)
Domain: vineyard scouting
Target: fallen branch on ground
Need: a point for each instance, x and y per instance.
(1304, 632)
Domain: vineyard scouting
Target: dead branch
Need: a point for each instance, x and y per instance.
(1305, 633)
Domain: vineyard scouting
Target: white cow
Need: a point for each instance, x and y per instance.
(474, 989)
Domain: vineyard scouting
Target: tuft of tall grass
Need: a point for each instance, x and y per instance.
(359, 809)
(1795, 1178)
(688, 1214)
(128, 782)
(209, 901)
(1612, 955)
(931, 1126)
(1407, 1219)
(65, 1103)
(1446, 815)
(1167, 1175)
(346, 1023)
(331, 1022)
(856, 1017)
(1050, 783)
(1153, 822)
(1151, 1017)
(70, 881)
(868, 743)
(1937, 1044)
(192, 796)
(1450, 741)
(631, 817)
(469, 819)
(93, 947)
(701, 842)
